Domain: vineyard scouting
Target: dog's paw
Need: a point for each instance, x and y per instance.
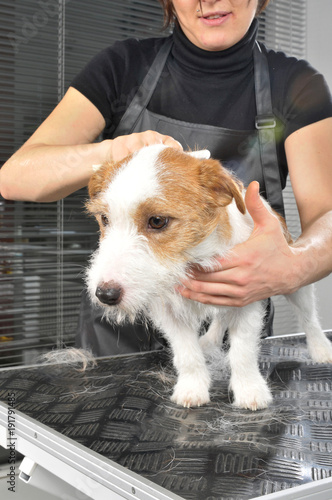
(321, 352)
(189, 394)
(253, 401)
(253, 398)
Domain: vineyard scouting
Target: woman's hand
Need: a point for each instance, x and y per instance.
(122, 146)
(265, 265)
(261, 267)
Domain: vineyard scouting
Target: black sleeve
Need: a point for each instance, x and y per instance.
(97, 83)
(308, 101)
(112, 77)
(300, 93)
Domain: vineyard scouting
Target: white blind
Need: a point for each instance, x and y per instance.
(283, 26)
(44, 247)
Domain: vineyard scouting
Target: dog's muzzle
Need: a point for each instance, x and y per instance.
(109, 293)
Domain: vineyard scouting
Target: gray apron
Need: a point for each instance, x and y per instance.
(251, 155)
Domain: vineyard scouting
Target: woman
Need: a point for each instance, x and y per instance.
(202, 86)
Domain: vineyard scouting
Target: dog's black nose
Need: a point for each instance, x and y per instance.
(109, 293)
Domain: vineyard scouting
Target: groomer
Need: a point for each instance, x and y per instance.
(209, 85)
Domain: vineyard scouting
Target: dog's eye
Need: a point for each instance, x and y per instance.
(104, 220)
(158, 222)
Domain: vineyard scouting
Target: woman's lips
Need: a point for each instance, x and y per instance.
(215, 18)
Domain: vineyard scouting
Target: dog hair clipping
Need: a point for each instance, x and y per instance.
(96, 167)
(204, 154)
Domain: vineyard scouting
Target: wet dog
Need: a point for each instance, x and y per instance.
(160, 211)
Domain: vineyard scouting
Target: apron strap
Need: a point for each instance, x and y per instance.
(145, 91)
(266, 124)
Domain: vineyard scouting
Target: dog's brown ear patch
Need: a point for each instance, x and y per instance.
(225, 186)
(97, 181)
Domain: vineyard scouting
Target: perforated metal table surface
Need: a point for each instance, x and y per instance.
(115, 426)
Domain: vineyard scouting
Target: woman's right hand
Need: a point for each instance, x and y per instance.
(122, 146)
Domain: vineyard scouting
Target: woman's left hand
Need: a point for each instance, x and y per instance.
(263, 266)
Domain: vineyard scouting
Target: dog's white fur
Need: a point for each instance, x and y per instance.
(127, 257)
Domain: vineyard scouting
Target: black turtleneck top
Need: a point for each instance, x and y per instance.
(198, 86)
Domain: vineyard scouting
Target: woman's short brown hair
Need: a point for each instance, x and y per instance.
(262, 4)
(169, 13)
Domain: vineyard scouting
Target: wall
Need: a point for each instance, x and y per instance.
(319, 43)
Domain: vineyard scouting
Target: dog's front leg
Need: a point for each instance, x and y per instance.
(249, 388)
(192, 387)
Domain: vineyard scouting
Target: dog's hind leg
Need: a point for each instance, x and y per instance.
(319, 347)
(214, 335)
(249, 388)
(192, 387)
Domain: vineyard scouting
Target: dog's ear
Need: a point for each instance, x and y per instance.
(220, 182)
(97, 181)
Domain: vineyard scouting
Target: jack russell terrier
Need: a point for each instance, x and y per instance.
(160, 211)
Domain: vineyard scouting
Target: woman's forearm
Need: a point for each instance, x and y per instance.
(46, 173)
(314, 249)
(41, 172)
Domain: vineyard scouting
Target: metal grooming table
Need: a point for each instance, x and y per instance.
(111, 432)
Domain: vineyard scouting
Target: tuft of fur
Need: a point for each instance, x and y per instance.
(81, 359)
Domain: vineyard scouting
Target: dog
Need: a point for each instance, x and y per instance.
(160, 212)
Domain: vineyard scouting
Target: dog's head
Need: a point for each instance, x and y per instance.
(155, 210)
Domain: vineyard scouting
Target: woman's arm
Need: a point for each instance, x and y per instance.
(309, 153)
(265, 265)
(57, 159)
